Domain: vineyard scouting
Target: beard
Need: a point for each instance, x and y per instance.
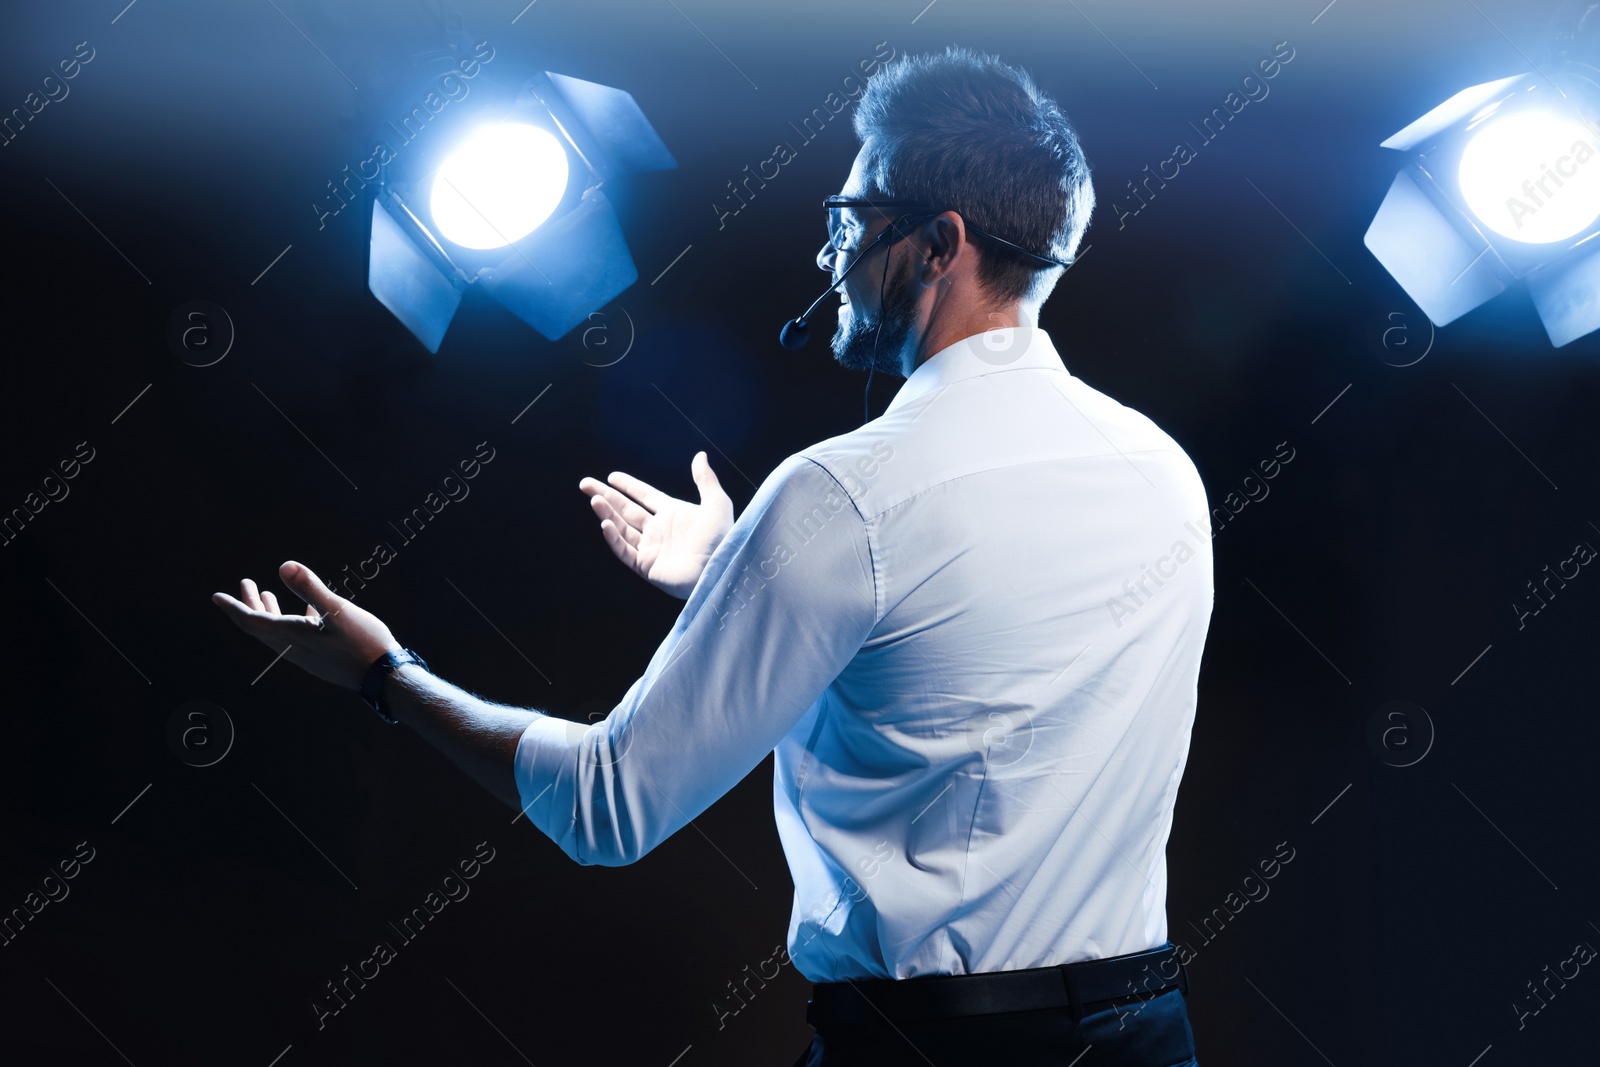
(856, 335)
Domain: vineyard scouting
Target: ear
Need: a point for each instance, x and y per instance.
(946, 237)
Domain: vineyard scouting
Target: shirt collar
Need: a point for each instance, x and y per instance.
(1005, 348)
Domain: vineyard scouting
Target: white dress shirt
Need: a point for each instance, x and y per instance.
(971, 631)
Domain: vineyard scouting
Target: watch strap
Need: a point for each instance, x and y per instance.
(372, 685)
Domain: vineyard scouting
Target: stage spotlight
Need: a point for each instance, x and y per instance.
(499, 186)
(1501, 183)
(509, 195)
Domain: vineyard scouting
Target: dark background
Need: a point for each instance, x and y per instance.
(1233, 309)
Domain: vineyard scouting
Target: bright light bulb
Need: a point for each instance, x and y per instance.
(499, 186)
(1533, 176)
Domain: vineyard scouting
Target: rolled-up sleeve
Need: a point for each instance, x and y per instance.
(784, 603)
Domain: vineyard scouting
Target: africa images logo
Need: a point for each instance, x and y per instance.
(1002, 734)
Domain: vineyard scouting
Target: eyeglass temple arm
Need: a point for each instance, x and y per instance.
(830, 202)
(1035, 255)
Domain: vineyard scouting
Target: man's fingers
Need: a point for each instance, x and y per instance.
(607, 513)
(247, 593)
(254, 621)
(272, 629)
(622, 506)
(234, 609)
(308, 587)
(704, 477)
(269, 602)
(625, 552)
(646, 494)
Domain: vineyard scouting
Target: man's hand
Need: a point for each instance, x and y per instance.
(334, 639)
(666, 541)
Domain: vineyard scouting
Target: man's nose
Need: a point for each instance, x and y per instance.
(827, 257)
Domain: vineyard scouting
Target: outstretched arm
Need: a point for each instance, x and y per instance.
(784, 604)
(337, 641)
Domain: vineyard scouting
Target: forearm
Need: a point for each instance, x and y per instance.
(477, 735)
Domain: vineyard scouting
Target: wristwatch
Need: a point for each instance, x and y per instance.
(372, 686)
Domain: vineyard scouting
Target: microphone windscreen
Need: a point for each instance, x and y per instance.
(794, 334)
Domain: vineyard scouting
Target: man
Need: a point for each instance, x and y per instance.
(970, 630)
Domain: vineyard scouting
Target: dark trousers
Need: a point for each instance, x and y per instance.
(1126, 1032)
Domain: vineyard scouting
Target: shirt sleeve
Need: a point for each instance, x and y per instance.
(784, 603)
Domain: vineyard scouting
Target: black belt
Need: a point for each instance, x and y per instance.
(944, 996)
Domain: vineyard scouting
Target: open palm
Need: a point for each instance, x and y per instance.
(664, 540)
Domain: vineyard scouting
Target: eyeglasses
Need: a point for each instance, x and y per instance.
(835, 204)
(836, 216)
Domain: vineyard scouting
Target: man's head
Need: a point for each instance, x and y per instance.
(976, 142)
